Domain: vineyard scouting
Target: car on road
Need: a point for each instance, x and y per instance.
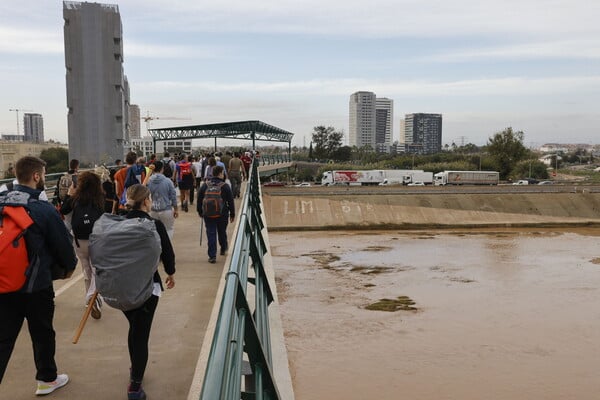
(521, 182)
(416, 184)
(546, 183)
(303, 184)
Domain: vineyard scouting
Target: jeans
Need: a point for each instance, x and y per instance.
(216, 228)
(236, 183)
(140, 322)
(38, 308)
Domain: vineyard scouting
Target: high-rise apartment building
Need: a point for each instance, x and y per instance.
(371, 121)
(384, 117)
(97, 89)
(134, 122)
(33, 126)
(362, 119)
(423, 133)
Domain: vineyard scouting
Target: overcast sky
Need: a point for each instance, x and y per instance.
(485, 65)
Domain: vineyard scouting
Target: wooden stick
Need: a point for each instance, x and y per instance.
(84, 317)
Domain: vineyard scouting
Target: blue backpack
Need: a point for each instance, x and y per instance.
(132, 179)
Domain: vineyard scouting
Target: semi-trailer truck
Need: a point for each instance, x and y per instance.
(466, 178)
(365, 177)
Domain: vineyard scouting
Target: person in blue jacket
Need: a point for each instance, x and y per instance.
(50, 248)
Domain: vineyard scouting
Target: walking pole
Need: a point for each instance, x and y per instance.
(201, 229)
(84, 317)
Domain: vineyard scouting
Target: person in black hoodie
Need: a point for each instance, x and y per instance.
(140, 319)
(85, 204)
(216, 225)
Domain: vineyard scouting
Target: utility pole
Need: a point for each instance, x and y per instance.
(17, 111)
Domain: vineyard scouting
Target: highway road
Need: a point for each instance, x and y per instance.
(317, 190)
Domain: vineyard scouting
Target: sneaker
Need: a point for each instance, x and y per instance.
(212, 260)
(223, 251)
(136, 395)
(96, 309)
(49, 387)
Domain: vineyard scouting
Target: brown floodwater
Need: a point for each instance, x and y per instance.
(500, 314)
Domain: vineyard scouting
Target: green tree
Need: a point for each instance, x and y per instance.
(531, 168)
(506, 148)
(326, 140)
(57, 159)
(344, 153)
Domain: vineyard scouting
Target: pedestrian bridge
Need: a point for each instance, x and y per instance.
(216, 334)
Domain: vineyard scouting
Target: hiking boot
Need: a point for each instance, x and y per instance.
(49, 387)
(223, 251)
(96, 309)
(138, 394)
(212, 260)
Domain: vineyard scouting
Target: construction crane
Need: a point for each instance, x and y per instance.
(17, 111)
(149, 118)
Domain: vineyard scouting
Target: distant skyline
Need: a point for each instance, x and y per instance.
(483, 65)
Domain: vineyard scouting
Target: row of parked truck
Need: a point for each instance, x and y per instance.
(385, 177)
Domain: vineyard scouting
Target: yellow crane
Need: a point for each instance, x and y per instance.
(147, 118)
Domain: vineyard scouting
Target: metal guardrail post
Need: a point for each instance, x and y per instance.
(239, 332)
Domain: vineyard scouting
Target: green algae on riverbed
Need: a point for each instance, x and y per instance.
(401, 303)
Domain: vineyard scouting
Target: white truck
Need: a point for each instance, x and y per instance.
(364, 177)
(466, 178)
(418, 176)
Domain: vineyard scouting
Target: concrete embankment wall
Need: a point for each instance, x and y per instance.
(414, 211)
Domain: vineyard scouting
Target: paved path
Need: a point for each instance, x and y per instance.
(99, 364)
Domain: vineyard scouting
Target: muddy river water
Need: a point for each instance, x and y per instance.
(499, 314)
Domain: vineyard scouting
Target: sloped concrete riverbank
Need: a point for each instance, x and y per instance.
(426, 210)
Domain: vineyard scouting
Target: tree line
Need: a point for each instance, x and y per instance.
(504, 152)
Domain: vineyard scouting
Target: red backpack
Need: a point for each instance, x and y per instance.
(185, 168)
(14, 221)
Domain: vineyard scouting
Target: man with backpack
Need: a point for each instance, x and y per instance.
(185, 180)
(67, 180)
(169, 167)
(215, 204)
(46, 253)
(126, 177)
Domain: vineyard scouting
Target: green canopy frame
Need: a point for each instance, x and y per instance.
(244, 130)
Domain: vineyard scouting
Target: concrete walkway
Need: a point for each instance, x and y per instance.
(98, 365)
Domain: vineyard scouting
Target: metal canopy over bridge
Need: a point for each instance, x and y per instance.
(245, 130)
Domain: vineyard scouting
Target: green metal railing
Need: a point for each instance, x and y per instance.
(268, 159)
(242, 336)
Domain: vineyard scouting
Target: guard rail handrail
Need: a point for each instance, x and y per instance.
(242, 335)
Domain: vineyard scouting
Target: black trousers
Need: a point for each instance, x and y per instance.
(140, 322)
(38, 309)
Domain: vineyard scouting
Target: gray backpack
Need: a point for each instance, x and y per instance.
(125, 253)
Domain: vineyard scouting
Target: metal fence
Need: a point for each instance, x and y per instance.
(242, 334)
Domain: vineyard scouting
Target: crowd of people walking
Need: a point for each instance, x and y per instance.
(55, 242)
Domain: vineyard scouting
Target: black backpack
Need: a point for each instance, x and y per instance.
(83, 220)
(167, 170)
